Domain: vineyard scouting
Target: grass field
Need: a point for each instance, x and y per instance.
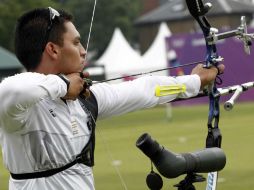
(186, 132)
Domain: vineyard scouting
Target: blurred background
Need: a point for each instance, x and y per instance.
(128, 28)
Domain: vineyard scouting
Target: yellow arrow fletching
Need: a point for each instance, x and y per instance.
(169, 90)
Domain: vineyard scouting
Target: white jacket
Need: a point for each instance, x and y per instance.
(39, 131)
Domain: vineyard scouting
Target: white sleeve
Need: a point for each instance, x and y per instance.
(116, 99)
(20, 92)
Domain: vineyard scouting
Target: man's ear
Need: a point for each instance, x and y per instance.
(52, 50)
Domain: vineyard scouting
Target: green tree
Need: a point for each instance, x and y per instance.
(10, 10)
(111, 14)
(108, 15)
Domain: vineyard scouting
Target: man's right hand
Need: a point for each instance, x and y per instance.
(75, 87)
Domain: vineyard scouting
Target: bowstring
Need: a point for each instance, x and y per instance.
(100, 133)
(90, 28)
(111, 158)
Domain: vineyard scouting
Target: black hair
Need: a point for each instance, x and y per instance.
(32, 34)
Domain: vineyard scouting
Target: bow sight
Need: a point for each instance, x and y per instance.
(241, 33)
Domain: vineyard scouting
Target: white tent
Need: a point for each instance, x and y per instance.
(119, 59)
(156, 55)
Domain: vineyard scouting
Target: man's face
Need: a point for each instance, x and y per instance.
(72, 53)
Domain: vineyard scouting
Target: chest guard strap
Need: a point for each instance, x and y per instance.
(86, 157)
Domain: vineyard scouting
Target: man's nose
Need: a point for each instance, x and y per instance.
(83, 52)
